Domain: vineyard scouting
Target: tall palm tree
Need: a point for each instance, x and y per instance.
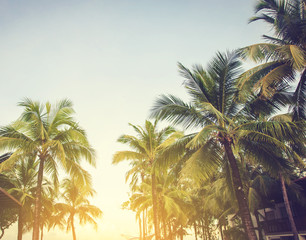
(77, 205)
(148, 146)
(285, 176)
(53, 136)
(283, 57)
(225, 124)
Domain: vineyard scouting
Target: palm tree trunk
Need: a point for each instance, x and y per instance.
(221, 232)
(42, 232)
(208, 230)
(170, 231)
(140, 229)
(143, 225)
(20, 224)
(155, 212)
(241, 198)
(73, 229)
(37, 209)
(195, 230)
(164, 224)
(203, 229)
(288, 209)
(182, 233)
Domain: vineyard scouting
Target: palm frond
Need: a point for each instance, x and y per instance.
(127, 155)
(204, 163)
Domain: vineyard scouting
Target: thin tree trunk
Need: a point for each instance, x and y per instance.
(143, 225)
(288, 209)
(73, 229)
(146, 222)
(20, 224)
(241, 198)
(155, 213)
(140, 229)
(170, 231)
(203, 230)
(181, 233)
(221, 232)
(195, 230)
(207, 229)
(37, 209)
(164, 224)
(42, 232)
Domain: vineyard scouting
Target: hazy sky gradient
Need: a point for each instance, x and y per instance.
(112, 59)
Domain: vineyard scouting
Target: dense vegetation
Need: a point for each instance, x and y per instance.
(243, 142)
(44, 138)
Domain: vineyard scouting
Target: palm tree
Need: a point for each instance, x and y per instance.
(52, 135)
(23, 177)
(175, 205)
(226, 125)
(77, 205)
(140, 202)
(147, 147)
(285, 175)
(283, 55)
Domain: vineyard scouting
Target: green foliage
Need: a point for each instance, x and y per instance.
(76, 204)
(8, 217)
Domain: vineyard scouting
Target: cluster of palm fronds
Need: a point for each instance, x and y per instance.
(240, 147)
(43, 139)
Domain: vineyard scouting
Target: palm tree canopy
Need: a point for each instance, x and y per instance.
(77, 204)
(148, 146)
(50, 132)
(283, 57)
(217, 112)
(286, 18)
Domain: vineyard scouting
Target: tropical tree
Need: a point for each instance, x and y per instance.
(140, 201)
(23, 177)
(52, 135)
(286, 176)
(148, 146)
(225, 124)
(76, 204)
(283, 56)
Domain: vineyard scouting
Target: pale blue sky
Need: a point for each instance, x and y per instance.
(112, 59)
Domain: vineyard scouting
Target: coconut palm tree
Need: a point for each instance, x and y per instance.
(77, 205)
(283, 57)
(52, 135)
(225, 124)
(23, 177)
(148, 146)
(285, 175)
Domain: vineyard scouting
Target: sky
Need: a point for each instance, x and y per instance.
(112, 59)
